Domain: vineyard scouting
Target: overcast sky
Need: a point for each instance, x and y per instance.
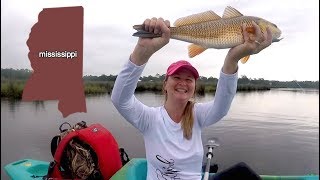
(108, 41)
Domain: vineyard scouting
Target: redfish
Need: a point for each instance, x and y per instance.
(209, 30)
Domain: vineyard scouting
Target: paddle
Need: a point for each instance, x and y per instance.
(212, 143)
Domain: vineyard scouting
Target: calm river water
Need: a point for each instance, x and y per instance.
(274, 132)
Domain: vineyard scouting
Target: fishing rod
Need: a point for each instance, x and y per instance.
(212, 143)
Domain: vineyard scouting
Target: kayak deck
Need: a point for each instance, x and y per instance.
(135, 169)
(27, 169)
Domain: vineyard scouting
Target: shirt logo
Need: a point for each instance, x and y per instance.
(167, 172)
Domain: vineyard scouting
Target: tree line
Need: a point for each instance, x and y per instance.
(24, 74)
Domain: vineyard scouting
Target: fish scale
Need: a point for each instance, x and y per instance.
(219, 34)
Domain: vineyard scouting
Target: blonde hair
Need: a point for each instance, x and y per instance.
(187, 116)
(187, 120)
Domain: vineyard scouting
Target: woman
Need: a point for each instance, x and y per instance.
(172, 132)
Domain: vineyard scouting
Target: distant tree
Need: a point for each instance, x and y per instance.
(13, 74)
(244, 80)
(24, 74)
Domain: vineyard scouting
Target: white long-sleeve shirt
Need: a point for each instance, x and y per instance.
(169, 155)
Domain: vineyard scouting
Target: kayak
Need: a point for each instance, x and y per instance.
(135, 169)
(27, 169)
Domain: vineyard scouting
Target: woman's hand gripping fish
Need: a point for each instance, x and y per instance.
(208, 30)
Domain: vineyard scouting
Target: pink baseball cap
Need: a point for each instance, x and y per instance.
(174, 67)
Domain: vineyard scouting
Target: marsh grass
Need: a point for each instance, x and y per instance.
(97, 87)
(13, 89)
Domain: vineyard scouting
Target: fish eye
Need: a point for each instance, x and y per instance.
(274, 25)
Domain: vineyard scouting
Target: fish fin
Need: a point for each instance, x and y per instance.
(145, 34)
(196, 18)
(250, 30)
(230, 12)
(195, 49)
(244, 59)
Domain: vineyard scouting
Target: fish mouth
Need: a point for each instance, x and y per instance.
(277, 39)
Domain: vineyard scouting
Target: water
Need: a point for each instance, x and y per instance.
(274, 132)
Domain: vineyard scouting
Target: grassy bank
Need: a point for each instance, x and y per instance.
(14, 89)
(201, 89)
(97, 87)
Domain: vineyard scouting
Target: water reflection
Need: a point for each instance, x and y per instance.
(296, 90)
(39, 105)
(13, 105)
